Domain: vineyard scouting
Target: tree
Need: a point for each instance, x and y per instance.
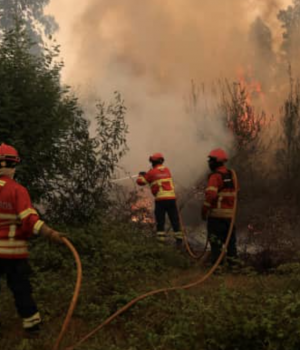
(261, 55)
(64, 168)
(288, 154)
(290, 19)
(37, 23)
(86, 165)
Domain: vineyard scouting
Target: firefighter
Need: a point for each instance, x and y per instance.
(218, 206)
(18, 222)
(159, 179)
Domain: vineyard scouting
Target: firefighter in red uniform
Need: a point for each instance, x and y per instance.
(159, 179)
(218, 206)
(18, 222)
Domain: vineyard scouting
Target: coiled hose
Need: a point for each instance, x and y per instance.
(165, 290)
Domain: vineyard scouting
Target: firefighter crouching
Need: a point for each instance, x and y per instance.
(159, 179)
(18, 222)
(218, 206)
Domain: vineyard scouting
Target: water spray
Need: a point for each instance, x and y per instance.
(125, 178)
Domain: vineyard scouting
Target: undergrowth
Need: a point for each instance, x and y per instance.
(229, 312)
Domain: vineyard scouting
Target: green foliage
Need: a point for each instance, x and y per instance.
(32, 13)
(119, 263)
(288, 153)
(64, 168)
(84, 165)
(34, 110)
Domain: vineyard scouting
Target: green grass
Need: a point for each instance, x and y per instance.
(228, 312)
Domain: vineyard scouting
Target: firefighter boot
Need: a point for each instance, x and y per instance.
(161, 237)
(31, 325)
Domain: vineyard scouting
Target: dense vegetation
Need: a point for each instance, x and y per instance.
(67, 172)
(232, 311)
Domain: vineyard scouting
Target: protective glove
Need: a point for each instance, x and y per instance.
(56, 237)
(142, 173)
(52, 235)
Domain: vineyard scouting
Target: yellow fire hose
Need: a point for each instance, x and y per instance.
(165, 290)
(77, 286)
(75, 294)
(185, 236)
(185, 239)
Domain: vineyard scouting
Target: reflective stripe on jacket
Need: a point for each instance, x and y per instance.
(18, 219)
(219, 194)
(160, 181)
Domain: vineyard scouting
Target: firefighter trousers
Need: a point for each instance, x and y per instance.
(218, 230)
(17, 273)
(163, 207)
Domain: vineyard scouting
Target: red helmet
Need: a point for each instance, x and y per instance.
(156, 157)
(219, 154)
(9, 153)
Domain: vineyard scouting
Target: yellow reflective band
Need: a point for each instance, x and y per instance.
(27, 212)
(227, 194)
(212, 188)
(178, 234)
(8, 243)
(13, 251)
(207, 204)
(141, 178)
(12, 231)
(2, 183)
(160, 182)
(165, 194)
(221, 213)
(8, 216)
(37, 226)
(160, 233)
(32, 321)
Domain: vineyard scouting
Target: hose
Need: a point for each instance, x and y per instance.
(185, 239)
(77, 286)
(185, 236)
(75, 294)
(165, 290)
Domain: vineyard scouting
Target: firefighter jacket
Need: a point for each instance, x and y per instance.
(220, 195)
(18, 219)
(160, 181)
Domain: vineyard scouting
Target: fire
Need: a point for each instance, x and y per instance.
(142, 210)
(243, 120)
(252, 86)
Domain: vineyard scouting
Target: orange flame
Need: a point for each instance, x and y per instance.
(142, 211)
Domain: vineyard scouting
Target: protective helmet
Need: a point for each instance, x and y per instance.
(219, 154)
(156, 157)
(9, 154)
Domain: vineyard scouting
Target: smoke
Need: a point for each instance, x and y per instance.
(150, 51)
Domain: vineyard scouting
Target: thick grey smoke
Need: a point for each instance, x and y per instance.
(150, 51)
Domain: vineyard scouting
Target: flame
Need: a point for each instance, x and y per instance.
(250, 84)
(142, 210)
(243, 120)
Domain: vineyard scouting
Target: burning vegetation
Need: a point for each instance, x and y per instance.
(142, 209)
(254, 113)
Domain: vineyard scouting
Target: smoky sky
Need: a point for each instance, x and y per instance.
(150, 51)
